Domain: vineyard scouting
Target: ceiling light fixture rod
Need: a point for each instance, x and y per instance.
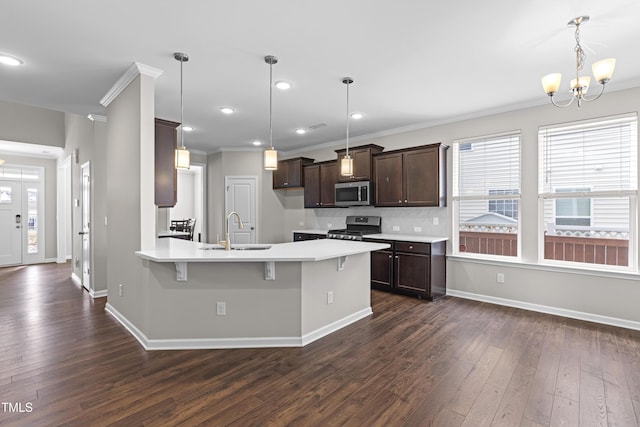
(270, 154)
(346, 163)
(182, 154)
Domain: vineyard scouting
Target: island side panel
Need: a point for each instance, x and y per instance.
(255, 308)
(351, 288)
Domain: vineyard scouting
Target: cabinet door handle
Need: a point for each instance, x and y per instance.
(405, 200)
(399, 201)
(396, 256)
(286, 183)
(390, 257)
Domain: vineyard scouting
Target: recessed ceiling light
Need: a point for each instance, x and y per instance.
(257, 143)
(187, 128)
(356, 116)
(10, 60)
(301, 131)
(227, 110)
(282, 85)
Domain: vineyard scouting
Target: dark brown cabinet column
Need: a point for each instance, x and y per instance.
(166, 177)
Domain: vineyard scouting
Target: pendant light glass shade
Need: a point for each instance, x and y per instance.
(183, 157)
(346, 166)
(346, 163)
(270, 159)
(270, 154)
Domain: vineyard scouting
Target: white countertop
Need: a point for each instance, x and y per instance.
(176, 250)
(419, 238)
(407, 237)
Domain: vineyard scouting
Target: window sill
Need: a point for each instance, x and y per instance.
(517, 263)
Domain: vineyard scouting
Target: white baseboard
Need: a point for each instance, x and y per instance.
(76, 279)
(229, 343)
(332, 327)
(98, 294)
(589, 317)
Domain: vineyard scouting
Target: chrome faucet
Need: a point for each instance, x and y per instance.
(227, 241)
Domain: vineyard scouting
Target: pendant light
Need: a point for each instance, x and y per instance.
(183, 160)
(270, 154)
(346, 163)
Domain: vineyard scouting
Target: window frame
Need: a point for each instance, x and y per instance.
(469, 144)
(620, 193)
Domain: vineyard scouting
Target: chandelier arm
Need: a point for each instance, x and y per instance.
(562, 105)
(584, 98)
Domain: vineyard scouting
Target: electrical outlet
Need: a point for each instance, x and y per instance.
(396, 228)
(417, 229)
(330, 297)
(436, 220)
(500, 278)
(120, 289)
(329, 225)
(105, 221)
(301, 224)
(221, 308)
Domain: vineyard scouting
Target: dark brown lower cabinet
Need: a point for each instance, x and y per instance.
(382, 268)
(411, 268)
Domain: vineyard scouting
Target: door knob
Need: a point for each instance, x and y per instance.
(81, 233)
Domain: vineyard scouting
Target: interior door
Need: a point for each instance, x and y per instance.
(86, 226)
(241, 197)
(11, 220)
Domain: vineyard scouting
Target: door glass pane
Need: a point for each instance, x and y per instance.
(32, 220)
(5, 195)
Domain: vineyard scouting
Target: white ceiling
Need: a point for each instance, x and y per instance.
(414, 62)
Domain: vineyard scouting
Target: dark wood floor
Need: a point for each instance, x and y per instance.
(413, 363)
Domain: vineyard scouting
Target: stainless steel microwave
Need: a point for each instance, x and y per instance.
(357, 193)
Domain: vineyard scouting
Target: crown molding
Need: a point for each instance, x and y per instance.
(132, 72)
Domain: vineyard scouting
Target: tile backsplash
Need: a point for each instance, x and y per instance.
(394, 220)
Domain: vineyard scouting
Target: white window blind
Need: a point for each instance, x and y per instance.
(598, 155)
(487, 167)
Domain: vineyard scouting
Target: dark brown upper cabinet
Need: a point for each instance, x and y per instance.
(166, 178)
(289, 173)
(320, 180)
(362, 159)
(411, 177)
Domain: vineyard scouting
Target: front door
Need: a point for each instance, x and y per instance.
(11, 222)
(86, 226)
(241, 197)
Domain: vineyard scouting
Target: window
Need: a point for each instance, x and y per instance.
(573, 211)
(486, 195)
(587, 185)
(506, 207)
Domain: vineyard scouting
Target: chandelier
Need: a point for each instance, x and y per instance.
(602, 71)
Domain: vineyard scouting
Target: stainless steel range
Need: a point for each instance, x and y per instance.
(357, 227)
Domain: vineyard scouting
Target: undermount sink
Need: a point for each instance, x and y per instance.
(238, 248)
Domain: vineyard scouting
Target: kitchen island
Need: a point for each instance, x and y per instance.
(194, 295)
